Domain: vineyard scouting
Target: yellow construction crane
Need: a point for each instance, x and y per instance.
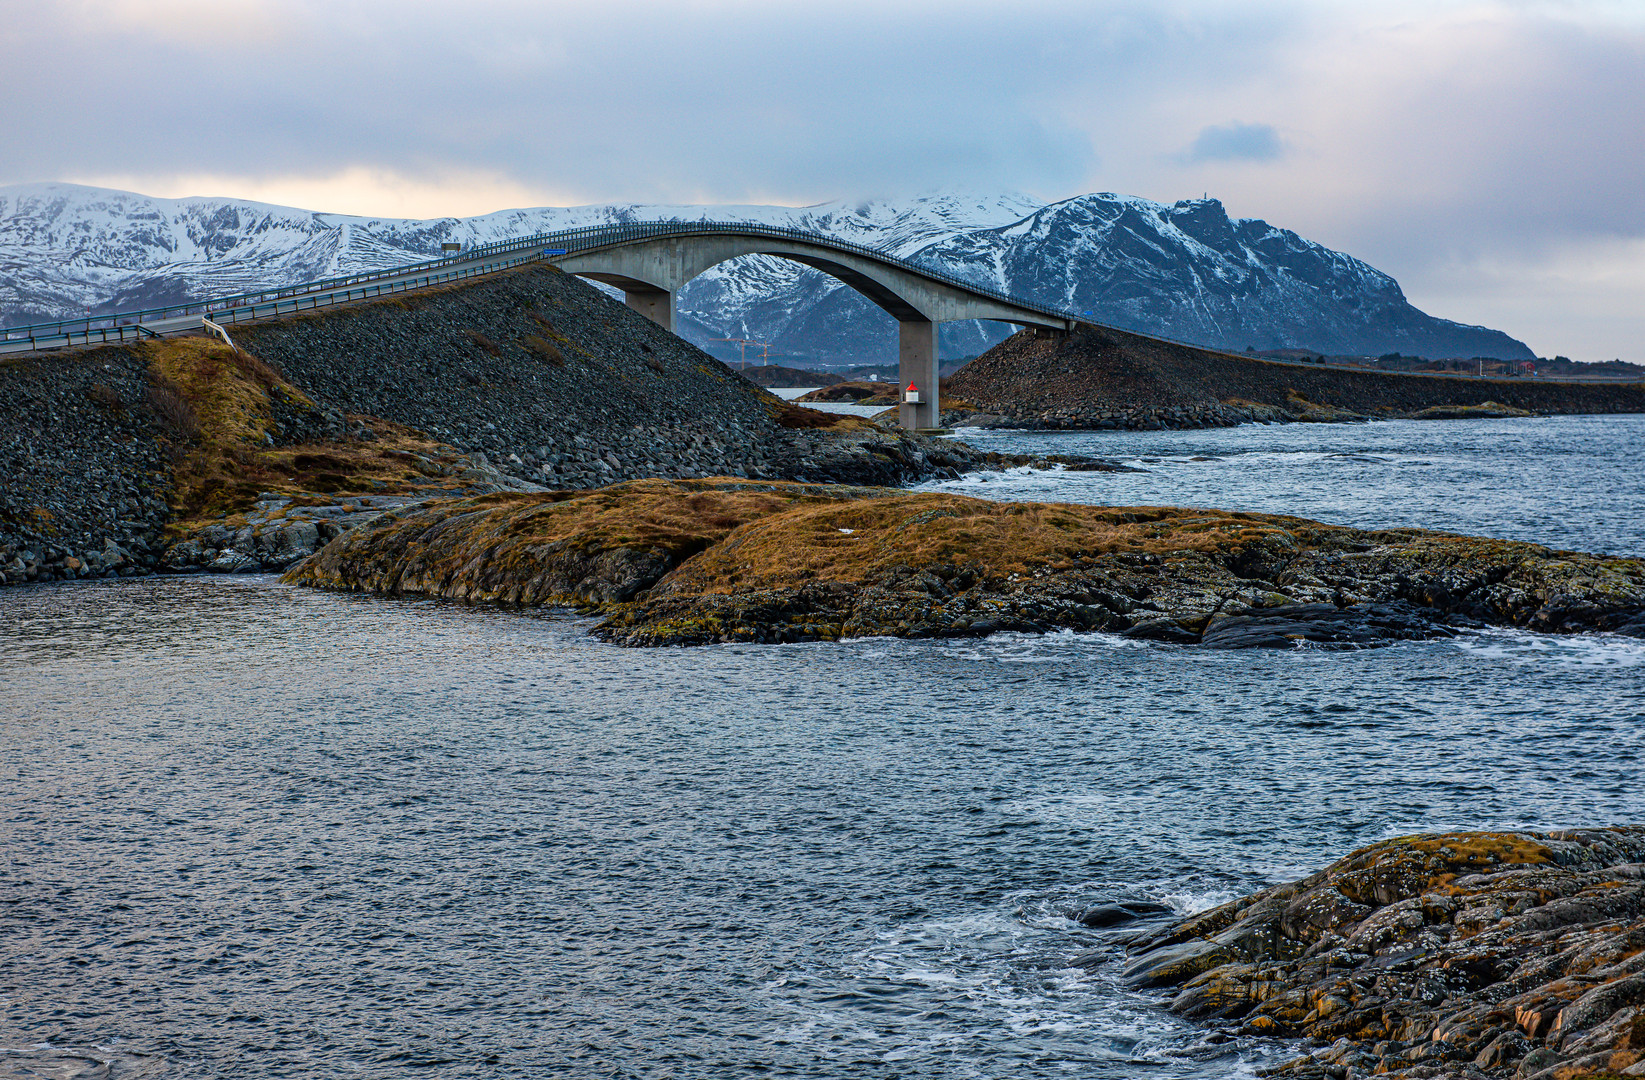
(742, 348)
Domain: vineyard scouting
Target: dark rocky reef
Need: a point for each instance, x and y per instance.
(1483, 955)
(1101, 378)
(694, 562)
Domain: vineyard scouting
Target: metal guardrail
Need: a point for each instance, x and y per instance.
(124, 325)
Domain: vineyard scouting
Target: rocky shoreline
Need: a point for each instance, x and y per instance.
(1467, 955)
(689, 563)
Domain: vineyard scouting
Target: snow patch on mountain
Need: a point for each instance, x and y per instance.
(1184, 271)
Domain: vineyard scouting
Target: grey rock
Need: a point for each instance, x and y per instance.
(230, 561)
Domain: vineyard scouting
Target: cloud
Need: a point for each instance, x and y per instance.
(1426, 137)
(357, 191)
(629, 100)
(1235, 142)
(1578, 298)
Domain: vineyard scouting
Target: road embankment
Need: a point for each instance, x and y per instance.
(1098, 378)
(188, 454)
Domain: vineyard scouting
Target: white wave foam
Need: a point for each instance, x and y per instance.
(1553, 650)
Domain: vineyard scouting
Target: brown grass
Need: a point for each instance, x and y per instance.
(172, 409)
(860, 541)
(752, 535)
(264, 373)
(790, 415)
(498, 546)
(484, 342)
(543, 349)
(105, 397)
(218, 405)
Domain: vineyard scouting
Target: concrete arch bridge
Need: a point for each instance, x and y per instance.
(651, 262)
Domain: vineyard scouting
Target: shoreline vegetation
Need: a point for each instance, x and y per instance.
(725, 560)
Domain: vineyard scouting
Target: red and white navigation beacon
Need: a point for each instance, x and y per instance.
(912, 394)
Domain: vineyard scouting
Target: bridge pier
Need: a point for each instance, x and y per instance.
(917, 364)
(655, 304)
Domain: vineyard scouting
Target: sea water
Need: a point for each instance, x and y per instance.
(254, 831)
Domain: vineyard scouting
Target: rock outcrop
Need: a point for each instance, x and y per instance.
(1453, 955)
(786, 562)
(561, 547)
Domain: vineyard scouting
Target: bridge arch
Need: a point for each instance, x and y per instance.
(651, 264)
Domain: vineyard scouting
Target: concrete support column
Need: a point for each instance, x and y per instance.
(917, 364)
(654, 304)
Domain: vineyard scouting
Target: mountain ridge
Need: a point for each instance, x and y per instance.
(1184, 271)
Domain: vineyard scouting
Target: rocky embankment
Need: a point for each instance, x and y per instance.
(1483, 955)
(559, 385)
(83, 469)
(694, 562)
(1099, 378)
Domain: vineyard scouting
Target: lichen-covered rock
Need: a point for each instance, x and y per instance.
(1458, 954)
(937, 565)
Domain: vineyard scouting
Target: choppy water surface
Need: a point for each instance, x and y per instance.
(1575, 482)
(254, 831)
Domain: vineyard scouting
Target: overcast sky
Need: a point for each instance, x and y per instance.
(1491, 156)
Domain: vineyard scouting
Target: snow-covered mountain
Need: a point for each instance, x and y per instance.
(1183, 271)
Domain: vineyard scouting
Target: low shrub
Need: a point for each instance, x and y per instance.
(171, 409)
(543, 349)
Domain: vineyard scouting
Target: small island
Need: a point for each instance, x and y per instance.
(691, 562)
